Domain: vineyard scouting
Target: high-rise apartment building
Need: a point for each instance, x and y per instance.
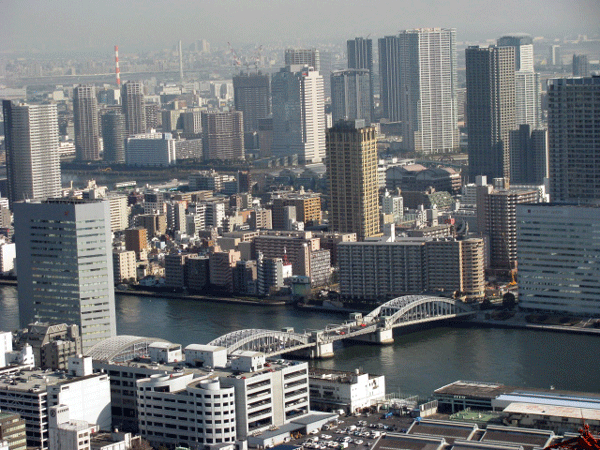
(252, 96)
(581, 66)
(490, 109)
(133, 107)
(303, 56)
(298, 113)
(527, 82)
(352, 173)
(113, 136)
(85, 121)
(528, 155)
(573, 139)
(428, 102)
(389, 74)
(360, 56)
(65, 265)
(32, 158)
(223, 135)
(351, 95)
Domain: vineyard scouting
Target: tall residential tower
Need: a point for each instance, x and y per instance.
(32, 158)
(85, 120)
(133, 107)
(352, 173)
(490, 109)
(298, 113)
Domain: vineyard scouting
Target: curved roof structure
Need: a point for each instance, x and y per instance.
(122, 348)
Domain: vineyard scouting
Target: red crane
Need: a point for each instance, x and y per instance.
(584, 441)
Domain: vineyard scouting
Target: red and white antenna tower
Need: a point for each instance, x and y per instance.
(117, 70)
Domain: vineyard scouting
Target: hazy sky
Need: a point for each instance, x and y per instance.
(152, 24)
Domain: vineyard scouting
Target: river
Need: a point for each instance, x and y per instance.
(417, 363)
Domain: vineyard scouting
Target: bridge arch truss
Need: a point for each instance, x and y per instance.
(417, 308)
(266, 341)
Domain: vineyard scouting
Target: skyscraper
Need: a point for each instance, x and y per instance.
(528, 155)
(527, 82)
(303, 56)
(360, 56)
(389, 73)
(223, 135)
(581, 66)
(352, 173)
(32, 158)
(573, 137)
(113, 136)
(351, 95)
(65, 265)
(252, 96)
(298, 113)
(85, 120)
(490, 109)
(133, 108)
(428, 102)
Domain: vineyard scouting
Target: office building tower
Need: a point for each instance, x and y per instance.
(581, 66)
(352, 173)
(298, 114)
(427, 81)
(303, 57)
(360, 56)
(252, 96)
(490, 109)
(85, 120)
(65, 265)
(558, 252)
(389, 74)
(113, 136)
(32, 158)
(527, 82)
(351, 95)
(223, 135)
(528, 156)
(573, 137)
(133, 107)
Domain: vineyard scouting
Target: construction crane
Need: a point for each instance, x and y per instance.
(585, 441)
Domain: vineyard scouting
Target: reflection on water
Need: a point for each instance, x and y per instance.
(417, 363)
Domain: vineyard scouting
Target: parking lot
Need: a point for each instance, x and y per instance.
(354, 432)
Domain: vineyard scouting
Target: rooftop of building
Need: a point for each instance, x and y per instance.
(473, 389)
(36, 381)
(339, 376)
(553, 410)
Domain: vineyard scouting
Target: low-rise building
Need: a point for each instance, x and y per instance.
(351, 391)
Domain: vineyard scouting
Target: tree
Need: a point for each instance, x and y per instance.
(509, 301)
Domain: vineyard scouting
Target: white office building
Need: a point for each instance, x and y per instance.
(299, 113)
(350, 391)
(86, 395)
(558, 250)
(150, 149)
(66, 266)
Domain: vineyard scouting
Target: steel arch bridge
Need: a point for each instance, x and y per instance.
(411, 309)
(398, 312)
(266, 341)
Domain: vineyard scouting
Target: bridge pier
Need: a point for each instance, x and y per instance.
(382, 336)
(322, 351)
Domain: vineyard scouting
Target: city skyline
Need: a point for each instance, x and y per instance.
(27, 27)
